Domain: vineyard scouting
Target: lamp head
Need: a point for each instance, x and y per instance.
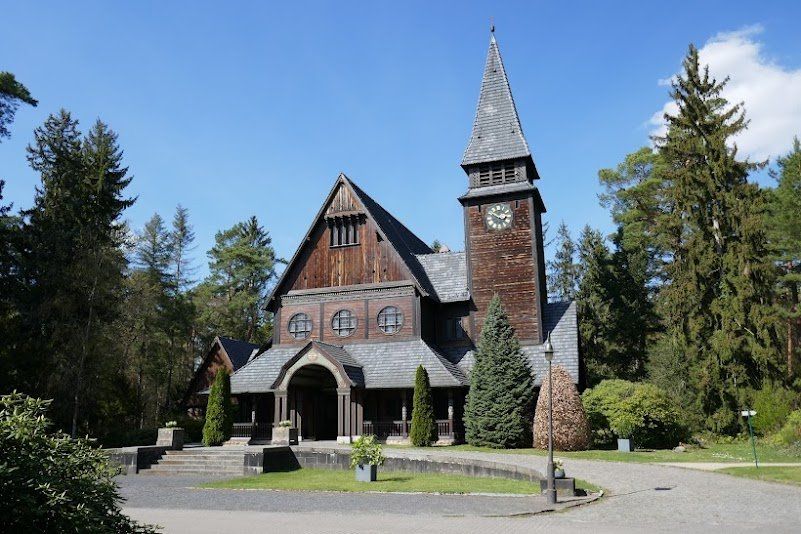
(548, 349)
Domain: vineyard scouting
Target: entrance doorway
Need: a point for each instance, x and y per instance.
(312, 395)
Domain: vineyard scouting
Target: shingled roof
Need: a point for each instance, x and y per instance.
(447, 272)
(497, 134)
(372, 365)
(560, 320)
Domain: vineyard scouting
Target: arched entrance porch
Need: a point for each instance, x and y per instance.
(312, 403)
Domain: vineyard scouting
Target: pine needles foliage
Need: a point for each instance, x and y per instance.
(424, 427)
(219, 420)
(500, 404)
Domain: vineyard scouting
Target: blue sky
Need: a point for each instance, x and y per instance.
(236, 109)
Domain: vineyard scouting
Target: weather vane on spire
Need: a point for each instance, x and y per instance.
(492, 24)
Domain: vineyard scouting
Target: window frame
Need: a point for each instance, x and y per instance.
(398, 319)
(352, 319)
(298, 318)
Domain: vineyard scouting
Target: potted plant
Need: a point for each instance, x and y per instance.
(171, 435)
(285, 434)
(624, 427)
(366, 455)
(558, 468)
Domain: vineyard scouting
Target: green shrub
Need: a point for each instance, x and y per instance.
(219, 413)
(424, 427)
(773, 403)
(50, 482)
(639, 411)
(193, 428)
(790, 433)
(366, 451)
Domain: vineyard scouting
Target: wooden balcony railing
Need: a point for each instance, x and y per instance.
(259, 430)
(400, 429)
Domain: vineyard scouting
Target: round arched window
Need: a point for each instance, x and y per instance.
(300, 326)
(390, 320)
(344, 323)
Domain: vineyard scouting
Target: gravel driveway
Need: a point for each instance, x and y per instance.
(642, 497)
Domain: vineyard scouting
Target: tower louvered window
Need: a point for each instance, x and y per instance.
(497, 173)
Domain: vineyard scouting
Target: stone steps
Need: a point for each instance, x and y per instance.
(199, 462)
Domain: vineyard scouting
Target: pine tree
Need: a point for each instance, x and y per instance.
(424, 427)
(219, 420)
(785, 236)
(716, 304)
(12, 93)
(562, 270)
(501, 400)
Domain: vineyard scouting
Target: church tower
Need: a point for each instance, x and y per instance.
(503, 211)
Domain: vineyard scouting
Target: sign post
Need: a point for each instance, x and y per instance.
(748, 414)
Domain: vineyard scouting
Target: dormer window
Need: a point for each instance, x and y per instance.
(496, 173)
(343, 231)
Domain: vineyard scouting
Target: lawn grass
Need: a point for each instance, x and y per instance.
(714, 452)
(310, 479)
(787, 475)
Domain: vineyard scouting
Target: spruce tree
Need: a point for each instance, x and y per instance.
(219, 420)
(716, 304)
(12, 93)
(424, 427)
(562, 274)
(500, 404)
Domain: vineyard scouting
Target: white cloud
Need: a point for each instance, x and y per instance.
(771, 92)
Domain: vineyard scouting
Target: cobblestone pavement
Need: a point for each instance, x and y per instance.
(641, 497)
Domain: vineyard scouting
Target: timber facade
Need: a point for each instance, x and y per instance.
(364, 301)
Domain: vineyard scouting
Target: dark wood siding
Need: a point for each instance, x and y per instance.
(504, 262)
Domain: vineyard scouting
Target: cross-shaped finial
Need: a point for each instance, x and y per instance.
(492, 25)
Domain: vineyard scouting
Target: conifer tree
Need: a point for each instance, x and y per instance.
(12, 93)
(716, 304)
(785, 235)
(424, 427)
(562, 270)
(500, 404)
(219, 420)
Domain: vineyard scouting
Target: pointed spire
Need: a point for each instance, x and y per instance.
(497, 134)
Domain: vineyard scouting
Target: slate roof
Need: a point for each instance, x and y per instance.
(501, 189)
(372, 365)
(497, 134)
(559, 318)
(238, 351)
(447, 272)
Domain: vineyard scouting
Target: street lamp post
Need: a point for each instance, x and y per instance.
(550, 489)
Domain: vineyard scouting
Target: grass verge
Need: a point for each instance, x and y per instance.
(309, 479)
(786, 475)
(715, 452)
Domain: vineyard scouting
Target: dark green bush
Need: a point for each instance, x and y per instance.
(193, 429)
(773, 403)
(424, 427)
(50, 482)
(219, 413)
(639, 411)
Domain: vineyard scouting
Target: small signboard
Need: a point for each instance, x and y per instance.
(748, 413)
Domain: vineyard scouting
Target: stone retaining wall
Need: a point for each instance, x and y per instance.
(134, 459)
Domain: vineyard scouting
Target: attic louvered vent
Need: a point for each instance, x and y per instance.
(344, 231)
(497, 173)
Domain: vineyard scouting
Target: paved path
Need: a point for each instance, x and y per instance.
(716, 466)
(642, 497)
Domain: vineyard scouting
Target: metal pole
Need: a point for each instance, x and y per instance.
(753, 444)
(550, 491)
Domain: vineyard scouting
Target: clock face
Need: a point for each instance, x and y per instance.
(499, 217)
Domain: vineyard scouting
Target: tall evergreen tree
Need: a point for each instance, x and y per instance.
(242, 268)
(219, 413)
(12, 94)
(562, 270)
(500, 404)
(424, 426)
(716, 304)
(784, 220)
(75, 262)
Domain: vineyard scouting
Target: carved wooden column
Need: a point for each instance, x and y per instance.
(344, 432)
(281, 408)
(404, 414)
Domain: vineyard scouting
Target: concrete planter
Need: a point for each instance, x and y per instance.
(366, 473)
(559, 473)
(284, 435)
(625, 445)
(171, 437)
